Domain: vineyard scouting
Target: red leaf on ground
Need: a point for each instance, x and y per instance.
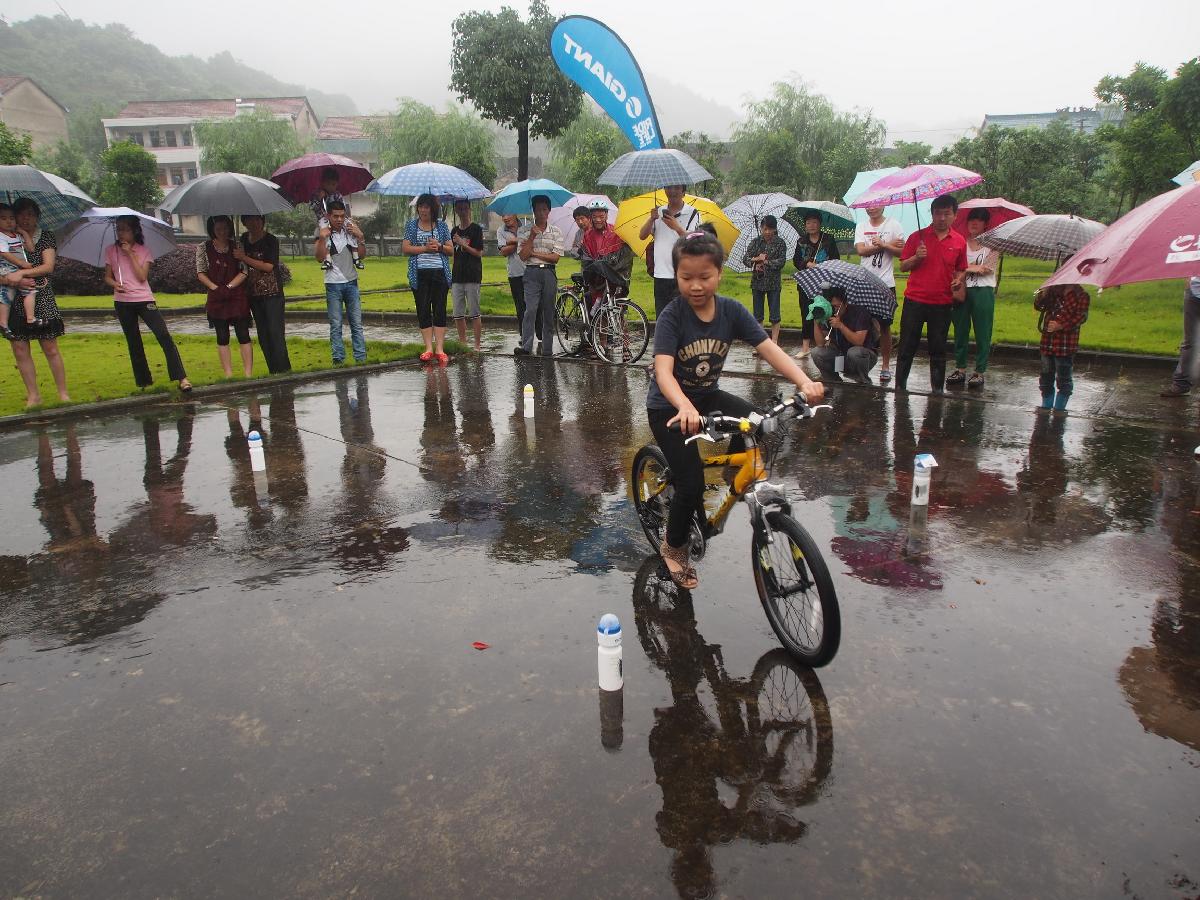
(480, 645)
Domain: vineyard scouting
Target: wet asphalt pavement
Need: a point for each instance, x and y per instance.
(217, 685)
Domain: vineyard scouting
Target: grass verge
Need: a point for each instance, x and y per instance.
(98, 366)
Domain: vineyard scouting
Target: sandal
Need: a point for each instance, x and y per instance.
(976, 380)
(957, 377)
(426, 356)
(442, 358)
(885, 376)
(185, 385)
(685, 577)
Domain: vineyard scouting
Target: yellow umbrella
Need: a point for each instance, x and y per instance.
(633, 213)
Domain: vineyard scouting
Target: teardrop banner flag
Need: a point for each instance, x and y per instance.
(591, 55)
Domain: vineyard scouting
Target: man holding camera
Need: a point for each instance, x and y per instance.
(853, 336)
(666, 225)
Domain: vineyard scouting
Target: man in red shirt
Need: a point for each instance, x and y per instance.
(604, 246)
(936, 258)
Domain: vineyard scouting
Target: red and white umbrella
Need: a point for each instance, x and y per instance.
(998, 208)
(1156, 241)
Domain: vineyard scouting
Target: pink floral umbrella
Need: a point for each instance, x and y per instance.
(1001, 211)
(1155, 241)
(914, 183)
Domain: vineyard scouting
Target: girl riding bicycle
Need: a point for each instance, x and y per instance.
(691, 340)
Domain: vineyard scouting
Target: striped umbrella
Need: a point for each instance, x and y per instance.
(862, 287)
(443, 181)
(1041, 237)
(58, 200)
(653, 169)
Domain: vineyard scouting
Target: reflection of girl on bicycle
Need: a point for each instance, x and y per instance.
(691, 340)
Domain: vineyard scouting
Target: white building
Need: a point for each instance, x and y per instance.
(166, 128)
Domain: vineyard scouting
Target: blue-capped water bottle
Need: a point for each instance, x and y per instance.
(258, 459)
(608, 653)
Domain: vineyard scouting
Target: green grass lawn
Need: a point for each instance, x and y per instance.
(1138, 318)
(98, 365)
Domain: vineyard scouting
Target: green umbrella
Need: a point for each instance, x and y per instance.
(834, 216)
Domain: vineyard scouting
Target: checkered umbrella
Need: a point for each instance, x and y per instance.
(747, 214)
(862, 288)
(653, 169)
(1041, 237)
(58, 200)
(439, 179)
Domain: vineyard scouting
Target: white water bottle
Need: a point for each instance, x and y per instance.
(529, 401)
(608, 653)
(258, 459)
(923, 466)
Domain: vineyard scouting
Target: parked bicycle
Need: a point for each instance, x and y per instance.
(615, 327)
(790, 574)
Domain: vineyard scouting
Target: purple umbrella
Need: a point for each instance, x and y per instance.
(299, 178)
(916, 183)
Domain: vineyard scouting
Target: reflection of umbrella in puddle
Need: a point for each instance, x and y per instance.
(1154, 696)
(878, 558)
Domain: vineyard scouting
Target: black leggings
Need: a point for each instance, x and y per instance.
(430, 294)
(687, 473)
(241, 327)
(807, 330)
(128, 315)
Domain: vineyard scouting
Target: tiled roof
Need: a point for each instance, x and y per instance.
(344, 128)
(208, 109)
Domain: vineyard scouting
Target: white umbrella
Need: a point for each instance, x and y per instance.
(95, 231)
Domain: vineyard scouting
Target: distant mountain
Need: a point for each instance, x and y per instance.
(85, 67)
(680, 108)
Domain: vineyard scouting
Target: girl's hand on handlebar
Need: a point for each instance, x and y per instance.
(813, 392)
(688, 420)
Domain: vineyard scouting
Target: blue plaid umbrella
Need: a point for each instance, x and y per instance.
(653, 169)
(443, 181)
(862, 288)
(517, 198)
(58, 199)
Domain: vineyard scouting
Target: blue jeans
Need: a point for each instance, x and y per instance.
(772, 303)
(335, 296)
(1057, 369)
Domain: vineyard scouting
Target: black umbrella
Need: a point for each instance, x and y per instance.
(226, 194)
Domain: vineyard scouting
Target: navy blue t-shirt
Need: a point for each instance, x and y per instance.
(699, 348)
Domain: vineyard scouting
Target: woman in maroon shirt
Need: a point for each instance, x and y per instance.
(220, 272)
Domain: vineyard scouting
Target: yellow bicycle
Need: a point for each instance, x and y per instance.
(790, 574)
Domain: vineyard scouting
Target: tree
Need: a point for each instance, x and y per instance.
(503, 66)
(583, 150)
(68, 160)
(1056, 169)
(416, 132)
(910, 153)
(255, 144)
(130, 177)
(797, 142)
(1181, 104)
(709, 153)
(1146, 149)
(15, 148)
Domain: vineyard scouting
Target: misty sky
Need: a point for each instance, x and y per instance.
(929, 77)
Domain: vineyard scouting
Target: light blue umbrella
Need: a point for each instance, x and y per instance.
(443, 181)
(95, 231)
(517, 198)
(905, 213)
(1188, 175)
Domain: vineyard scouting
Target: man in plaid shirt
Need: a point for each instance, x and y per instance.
(1064, 309)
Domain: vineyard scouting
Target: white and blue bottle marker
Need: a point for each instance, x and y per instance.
(258, 459)
(608, 653)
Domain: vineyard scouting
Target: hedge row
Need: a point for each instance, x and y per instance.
(174, 273)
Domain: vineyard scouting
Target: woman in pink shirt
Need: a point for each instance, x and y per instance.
(126, 270)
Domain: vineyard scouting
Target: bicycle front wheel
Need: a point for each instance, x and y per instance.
(621, 332)
(568, 322)
(796, 591)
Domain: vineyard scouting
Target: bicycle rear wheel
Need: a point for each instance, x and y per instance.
(568, 321)
(796, 591)
(621, 332)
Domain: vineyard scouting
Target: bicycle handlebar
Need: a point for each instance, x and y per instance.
(711, 427)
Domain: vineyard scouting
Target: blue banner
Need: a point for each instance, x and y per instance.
(591, 55)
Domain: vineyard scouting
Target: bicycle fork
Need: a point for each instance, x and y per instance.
(763, 499)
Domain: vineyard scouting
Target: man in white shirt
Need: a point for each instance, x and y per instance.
(667, 224)
(540, 246)
(878, 242)
(341, 242)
